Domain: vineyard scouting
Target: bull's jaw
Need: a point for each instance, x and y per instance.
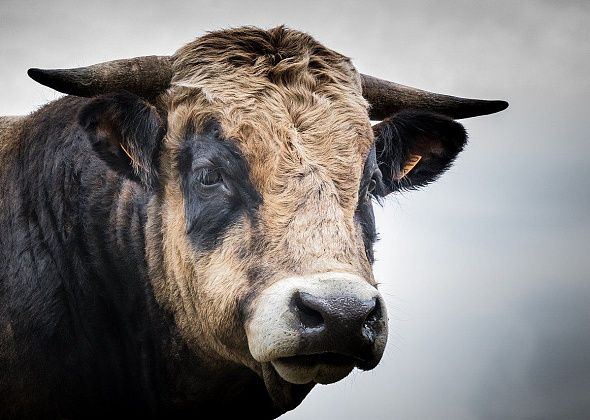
(285, 395)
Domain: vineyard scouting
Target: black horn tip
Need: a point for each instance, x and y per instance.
(497, 106)
(53, 79)
(459, 108)
(37, 75)
(468, 108)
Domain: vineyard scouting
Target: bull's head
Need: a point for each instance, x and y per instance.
(262, 163)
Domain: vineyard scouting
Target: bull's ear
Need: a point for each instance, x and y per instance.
(414, 148)
(126, 132)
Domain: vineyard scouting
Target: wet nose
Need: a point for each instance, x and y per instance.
(341, 324)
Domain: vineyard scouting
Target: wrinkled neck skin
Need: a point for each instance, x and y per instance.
(81, 334)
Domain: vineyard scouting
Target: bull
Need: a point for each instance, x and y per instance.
(195, 232)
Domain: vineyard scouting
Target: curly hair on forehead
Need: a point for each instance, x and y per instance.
(281, 54)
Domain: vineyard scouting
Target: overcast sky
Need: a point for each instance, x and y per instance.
(487, 272)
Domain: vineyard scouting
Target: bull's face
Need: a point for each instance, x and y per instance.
(266, 210)
(271, 244)
(263, 166)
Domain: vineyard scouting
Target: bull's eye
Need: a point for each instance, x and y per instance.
(209, 177)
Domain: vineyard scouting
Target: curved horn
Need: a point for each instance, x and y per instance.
(386, 98)
(145, 76)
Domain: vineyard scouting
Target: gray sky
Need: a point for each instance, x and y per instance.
(486, 273)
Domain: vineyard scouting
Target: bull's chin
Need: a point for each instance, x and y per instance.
(323, 368)
(284, 394)
(289, 379)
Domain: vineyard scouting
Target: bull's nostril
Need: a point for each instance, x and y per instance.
(375, 314)
(309, 317)
(372, 319)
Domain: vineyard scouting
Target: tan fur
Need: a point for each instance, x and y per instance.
(10, 128)
(296, 110)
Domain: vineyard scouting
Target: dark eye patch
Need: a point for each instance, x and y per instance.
(215, 184)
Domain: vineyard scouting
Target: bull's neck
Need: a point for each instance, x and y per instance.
(88, 218)
(76, 250)
(114, 219)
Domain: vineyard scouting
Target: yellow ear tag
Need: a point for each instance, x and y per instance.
(410, 164)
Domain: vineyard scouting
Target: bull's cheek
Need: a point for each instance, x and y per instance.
(220, 290)
(201, 289)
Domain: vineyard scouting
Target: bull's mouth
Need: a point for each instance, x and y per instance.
(288, 379)
(328, 358)
(323, 368)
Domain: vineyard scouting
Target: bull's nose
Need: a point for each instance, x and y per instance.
(344, 324)
(318, 327)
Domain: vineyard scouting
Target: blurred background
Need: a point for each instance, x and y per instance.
(486, 273)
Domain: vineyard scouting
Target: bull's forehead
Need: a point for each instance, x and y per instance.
(287, 138)
(295, 107)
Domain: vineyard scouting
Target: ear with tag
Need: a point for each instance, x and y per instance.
(414, 148)
(126, 132)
